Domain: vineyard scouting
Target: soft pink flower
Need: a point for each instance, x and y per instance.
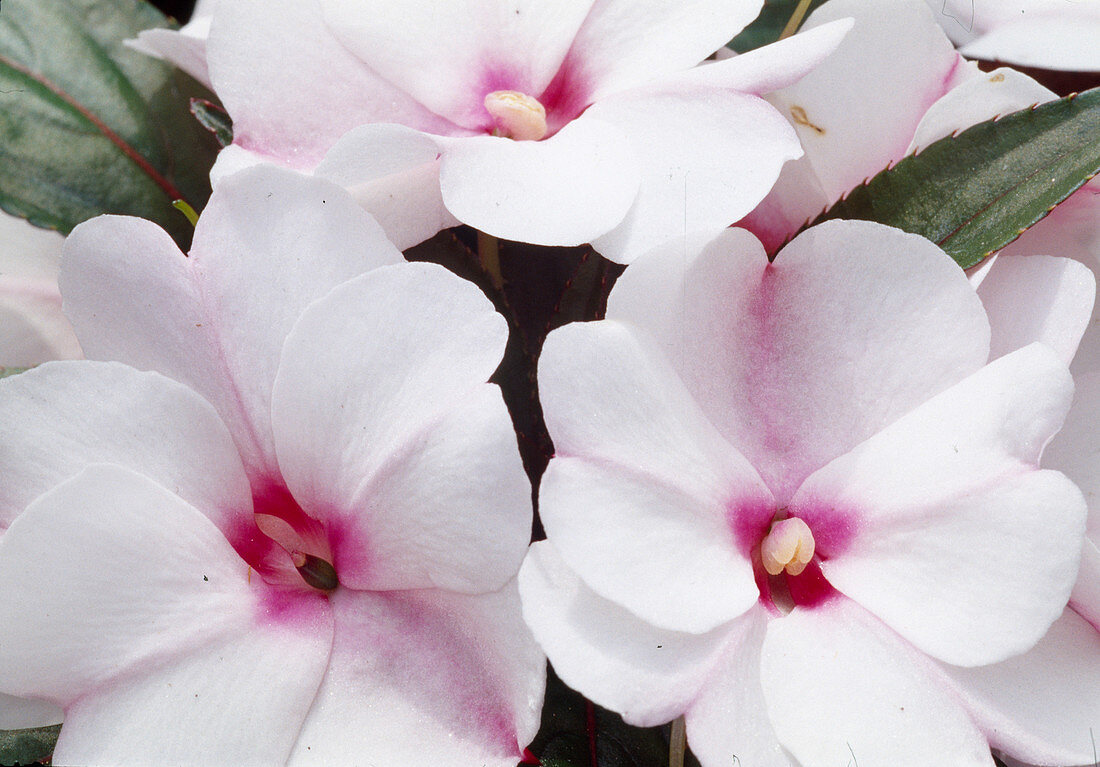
(554, 123)
(1051, 34)
(845, 385)
(32, 327)
(173, 538)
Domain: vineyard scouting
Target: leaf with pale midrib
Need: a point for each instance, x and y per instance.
(974, 193)
(89, 126)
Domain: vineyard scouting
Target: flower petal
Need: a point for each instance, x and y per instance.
(426, 677)
(625, 43)
(564, 190)
(1037, 298)
(1050, 42)
(393, 173)
(184, 48)
(448, 55)
(1075, 450)
(644, 500)
(856, 112)
(1042, 707)
(57, 419)
(292, 88)
(995, 93)
(21, 713)
(729, 722)
(269, 242)
(843, 689)
(956, 540)
(738, 143)
(648, 675)
(160, 648)
(814, 366)
(384, 421)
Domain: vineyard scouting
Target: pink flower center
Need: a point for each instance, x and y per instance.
(787, 572)
(292, 548)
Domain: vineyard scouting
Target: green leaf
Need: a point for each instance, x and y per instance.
(768, 25)
(4, 373)
(974, 193)
(214, 118)
(28, 746)
(89, 126)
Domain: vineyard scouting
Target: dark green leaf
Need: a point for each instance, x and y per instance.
(768, 25)
(88, 126)
(28, 746)
(976, 192)
(215, 119)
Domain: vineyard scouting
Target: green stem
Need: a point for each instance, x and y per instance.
(795, 20)
(677, 743)
(488, 254)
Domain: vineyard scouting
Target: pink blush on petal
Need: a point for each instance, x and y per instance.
(834, 527)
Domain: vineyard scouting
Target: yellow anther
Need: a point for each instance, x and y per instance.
(517, 115)
(789, 546)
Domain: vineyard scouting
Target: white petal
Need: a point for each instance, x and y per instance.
(625, 43)
(707, 157)
(382, 385)
(949, 533)
(21, 713)
(162, 649)
(1085, 599)
(292, 88)
(1042, 707)
(790, 360)
(269, 242)
(426, 677)
(58, 418)
(648, 675)
(856, 113)
(978, 99)
(33, 329)
(393, 172)
(729, 721)
(185, 48)
(564, 190)
(841, 688)
(1049, 42)
(1075, 450)
(1037, 298)
(644, 500)
(449, 54)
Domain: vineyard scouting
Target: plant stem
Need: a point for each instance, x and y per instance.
(676, 743)
(795, 20)
(488, 255)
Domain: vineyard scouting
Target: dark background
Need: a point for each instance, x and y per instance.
(178, 9)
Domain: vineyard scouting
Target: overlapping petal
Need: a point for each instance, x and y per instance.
(61, 417)
(426, 677)
(647, 674)
(1042, 707)
(644, 500)
(820, 366)
(190, 659)
(213, 325)
(884, 703)
(956, 540)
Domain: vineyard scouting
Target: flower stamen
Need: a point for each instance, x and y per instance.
(517, 115)
(788, 546)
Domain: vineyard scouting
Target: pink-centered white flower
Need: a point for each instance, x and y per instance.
(32, 327)
(786, 494)
(302, 550)
(556, 123)
(1051, 34)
